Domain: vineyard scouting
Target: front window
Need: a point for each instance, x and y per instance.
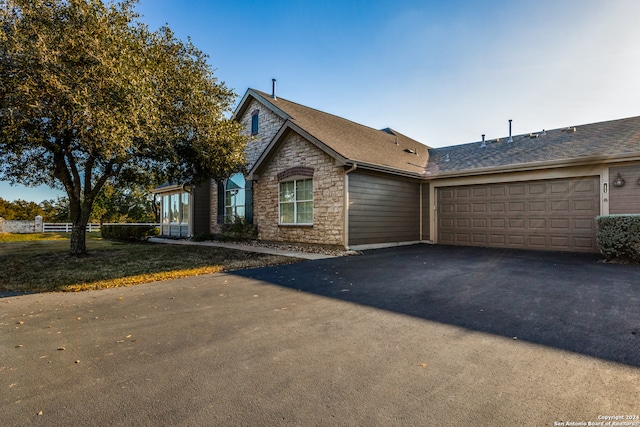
(296, 202)
(234, 198)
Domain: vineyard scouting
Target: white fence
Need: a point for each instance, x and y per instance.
(66, 227)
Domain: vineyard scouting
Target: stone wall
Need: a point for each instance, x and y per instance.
(268, 125)
(12, 226)
(328, 195)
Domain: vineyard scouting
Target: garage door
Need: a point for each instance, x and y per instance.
(554, 214)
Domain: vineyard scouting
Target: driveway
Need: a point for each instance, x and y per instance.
(420, 335)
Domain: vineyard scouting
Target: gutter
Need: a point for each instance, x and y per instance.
(585, 161)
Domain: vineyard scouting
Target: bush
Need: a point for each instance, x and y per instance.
(619, 237)
(236, 230)
(128, 232)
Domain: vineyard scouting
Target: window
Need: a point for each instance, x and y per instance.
(254, 123)
(165, 210)
(234, 198)
(296, 202)
(184, 206)
(174, 213)
(175, 208)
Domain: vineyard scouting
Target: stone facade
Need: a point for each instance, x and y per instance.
(268, 125)
(328, 196)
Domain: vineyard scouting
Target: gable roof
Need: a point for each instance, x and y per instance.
(347, 141)
(610, 140)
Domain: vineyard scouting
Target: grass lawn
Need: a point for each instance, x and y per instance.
(41, 262)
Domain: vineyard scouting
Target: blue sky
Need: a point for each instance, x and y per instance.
(442, 72)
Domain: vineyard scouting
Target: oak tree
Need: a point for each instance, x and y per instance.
(89, 95)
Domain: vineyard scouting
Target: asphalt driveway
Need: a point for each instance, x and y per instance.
(420, 335)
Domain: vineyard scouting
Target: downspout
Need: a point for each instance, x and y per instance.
(346, 203)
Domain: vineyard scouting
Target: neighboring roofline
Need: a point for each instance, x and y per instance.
(582, 161)
(244, 104)
(268, 152)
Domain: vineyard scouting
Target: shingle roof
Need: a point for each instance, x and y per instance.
(388, 149)
(615, 138)
(355, 142)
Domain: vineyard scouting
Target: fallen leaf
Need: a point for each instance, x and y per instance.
(79, 318)
(120, 341)
(19, 346)
(39, 412)
(120, 298)
(77, 361)
(20, 323)
(62, 348)
(423, 365)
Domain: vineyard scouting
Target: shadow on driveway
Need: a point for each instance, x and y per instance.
(562, 300)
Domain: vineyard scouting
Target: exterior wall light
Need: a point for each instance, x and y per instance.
(618, 182)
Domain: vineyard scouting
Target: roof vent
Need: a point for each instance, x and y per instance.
(484, 144)
(569, 129)
(447, 159)
(534, 135)
(543, 132)
(273, 88)
(510, 140)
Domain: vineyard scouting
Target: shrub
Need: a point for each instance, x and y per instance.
(619, 237)
(128, 232)
(236, 230)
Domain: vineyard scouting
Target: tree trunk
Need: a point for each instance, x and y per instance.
(78, 239)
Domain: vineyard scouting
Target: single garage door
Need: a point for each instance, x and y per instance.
(556, 214)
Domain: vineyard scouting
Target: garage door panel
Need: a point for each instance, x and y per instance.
(537, 189)
(548, 214)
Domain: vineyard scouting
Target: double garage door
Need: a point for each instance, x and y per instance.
(556, 214)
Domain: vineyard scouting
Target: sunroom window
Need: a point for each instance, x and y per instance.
(234, 198)
(296, 202)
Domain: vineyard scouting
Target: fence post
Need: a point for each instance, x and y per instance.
(39, 225)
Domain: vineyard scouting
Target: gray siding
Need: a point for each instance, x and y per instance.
(426, 212)
(625, 199)
(383, 209)
(201, 208)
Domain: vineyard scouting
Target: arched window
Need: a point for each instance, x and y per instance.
(234, 198)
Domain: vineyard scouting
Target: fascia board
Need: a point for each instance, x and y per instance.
(244, 104)
(583, 161)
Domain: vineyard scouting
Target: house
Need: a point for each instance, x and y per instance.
(316, 178)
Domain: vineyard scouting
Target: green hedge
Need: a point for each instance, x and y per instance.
(619, 237)
(128, 232)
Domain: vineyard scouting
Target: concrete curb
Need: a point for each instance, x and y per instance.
(246, 248)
